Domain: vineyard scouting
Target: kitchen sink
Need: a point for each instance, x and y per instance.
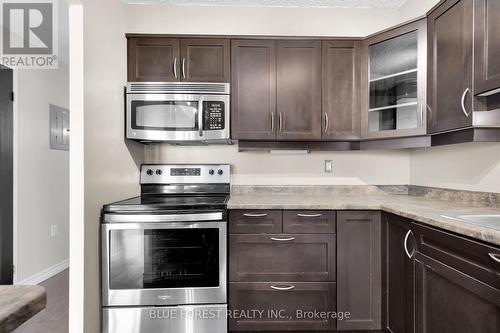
(485, 220)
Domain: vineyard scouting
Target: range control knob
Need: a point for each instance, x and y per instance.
(149, 172)
(211, 172)
(159, 172)
(220, 172)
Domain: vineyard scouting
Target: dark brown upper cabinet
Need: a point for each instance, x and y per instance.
(205, 60)
(253, 85)
(359, 266)
(486, 46)
(340, 86)
(394, 76)
(153, 59)
(298, 89)
(398, 282)
(159, 59)
(450, 34)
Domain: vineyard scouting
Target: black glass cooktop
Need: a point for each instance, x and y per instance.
(168, 202)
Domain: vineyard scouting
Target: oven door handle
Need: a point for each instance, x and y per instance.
(147, 218)
(200, 116)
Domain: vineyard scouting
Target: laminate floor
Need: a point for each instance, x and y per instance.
(54, 318)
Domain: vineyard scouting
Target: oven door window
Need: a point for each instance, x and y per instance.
(165, 115)
(164, 258)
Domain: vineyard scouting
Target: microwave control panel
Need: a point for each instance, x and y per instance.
(213, 115)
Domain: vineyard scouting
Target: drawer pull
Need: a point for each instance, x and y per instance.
(309, 215)
(495, 257)
(283, 239)
(255, 215)
(282, 288)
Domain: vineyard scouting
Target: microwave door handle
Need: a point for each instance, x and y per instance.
(200, 116)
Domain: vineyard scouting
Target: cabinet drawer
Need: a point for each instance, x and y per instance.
(467, 256)
(289, 257)
(285, 298)
(255, 221)
(308, 222)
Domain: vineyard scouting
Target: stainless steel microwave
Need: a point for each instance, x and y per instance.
(178, 112)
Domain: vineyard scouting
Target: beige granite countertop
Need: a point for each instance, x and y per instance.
(421, 209)
(18, 304)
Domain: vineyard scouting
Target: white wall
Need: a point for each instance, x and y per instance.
(111, 165)
(41, 175)
(262, 168)
(471, 166)
(414, 8)
(258, 20)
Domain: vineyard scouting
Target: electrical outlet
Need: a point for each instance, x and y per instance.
(328, 166)
(53, 230)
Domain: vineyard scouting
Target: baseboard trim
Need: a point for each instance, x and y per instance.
(46, 273)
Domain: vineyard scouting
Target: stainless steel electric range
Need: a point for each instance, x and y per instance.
(164, 253)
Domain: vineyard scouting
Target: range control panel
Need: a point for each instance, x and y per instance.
(185, 174)
(213, 115)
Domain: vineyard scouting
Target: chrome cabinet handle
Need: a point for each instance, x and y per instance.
(495, 257)
(327, 122)
(254, 215)
(272, 121)
(309, 215)
(429, 112)
(405, 243)
(175, 67)
(282, 288)
(467, 114)
(283, 239)
(183, 69)
(280, 121)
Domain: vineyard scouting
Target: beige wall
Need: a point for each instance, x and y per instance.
(41, 175)
(415, 8)
(263, 168)
(111, 165)
(471, 166)
(258, 20)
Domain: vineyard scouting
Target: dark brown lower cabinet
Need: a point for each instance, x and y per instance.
(398, 274)
(282, 257)
(281, 306)
(255, 221)
(309, 222)
(359, 269)
(449, 301)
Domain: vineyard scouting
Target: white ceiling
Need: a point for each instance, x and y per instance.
(279, 3)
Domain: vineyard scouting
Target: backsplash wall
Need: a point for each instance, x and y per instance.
(263, 168)
(469, 166)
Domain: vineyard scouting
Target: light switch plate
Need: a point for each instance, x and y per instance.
(59, 127)
(328, 166)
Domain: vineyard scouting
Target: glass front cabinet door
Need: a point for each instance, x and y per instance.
(394, 83)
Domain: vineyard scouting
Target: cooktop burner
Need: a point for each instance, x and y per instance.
(168, 202)
(175, 187)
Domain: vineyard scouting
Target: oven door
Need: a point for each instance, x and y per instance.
(162, 262)
(177, 117)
